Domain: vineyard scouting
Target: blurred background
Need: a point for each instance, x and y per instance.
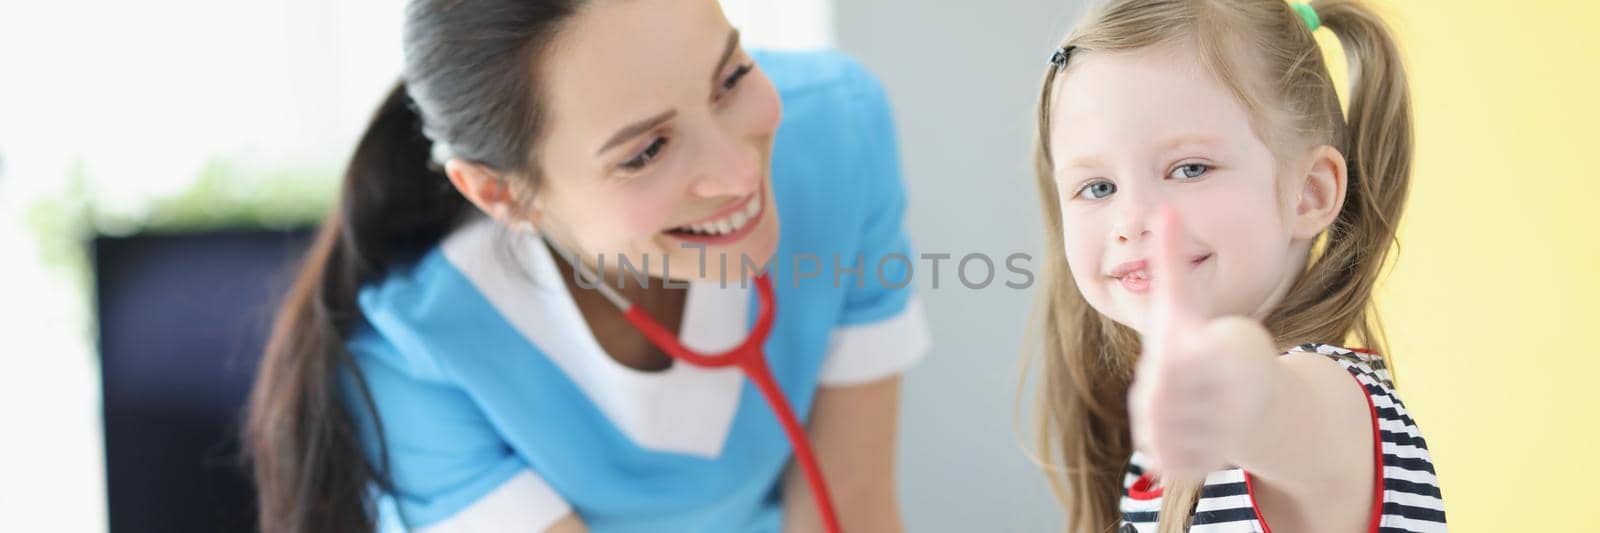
(158, 159)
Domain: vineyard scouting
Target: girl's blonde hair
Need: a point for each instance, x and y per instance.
(1265, 54)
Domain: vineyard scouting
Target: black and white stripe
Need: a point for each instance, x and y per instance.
(1411, 501)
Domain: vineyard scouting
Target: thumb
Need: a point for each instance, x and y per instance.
(1172, 299)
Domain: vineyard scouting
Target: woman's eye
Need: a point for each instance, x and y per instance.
(649, 154)
(1189, 171)
(732, 81)
(1097, 190)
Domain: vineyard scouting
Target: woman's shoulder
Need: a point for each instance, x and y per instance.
(815, 74)
(420, 314)
(835, 160)
(395, 308)
(831, 102)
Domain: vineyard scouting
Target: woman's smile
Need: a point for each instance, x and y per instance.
(731, 224)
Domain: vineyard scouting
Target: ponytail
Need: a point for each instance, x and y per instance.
(1376, 139)
(469, 81)
(310, 469)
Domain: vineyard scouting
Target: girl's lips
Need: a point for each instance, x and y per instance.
(1134, 276)
(1129, 267)
(1136, 285)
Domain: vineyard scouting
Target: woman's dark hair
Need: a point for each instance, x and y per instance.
(469, 84)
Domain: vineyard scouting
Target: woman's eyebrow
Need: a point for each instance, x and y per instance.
(639, 128)
(727, 53)
(636, 129)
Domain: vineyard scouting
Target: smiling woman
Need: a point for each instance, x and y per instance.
(438, 367)
(635, 160)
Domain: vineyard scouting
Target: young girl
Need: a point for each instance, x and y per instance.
(1216, 209)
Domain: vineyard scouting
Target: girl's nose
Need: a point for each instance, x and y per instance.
(1133, 218)
(1129, 235)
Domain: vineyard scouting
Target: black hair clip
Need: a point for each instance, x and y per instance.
(1059, 58)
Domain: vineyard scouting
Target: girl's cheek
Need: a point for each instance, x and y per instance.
(1078, 229)
(1082, 255)
(1248, 213)
(1220, 212)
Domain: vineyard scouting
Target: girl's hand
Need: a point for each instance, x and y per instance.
(1202, 385)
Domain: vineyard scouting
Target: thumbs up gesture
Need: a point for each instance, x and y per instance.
(1202, 384)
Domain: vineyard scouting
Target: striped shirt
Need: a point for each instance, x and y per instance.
(1406, 500)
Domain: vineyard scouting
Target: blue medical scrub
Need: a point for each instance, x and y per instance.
(501, 412)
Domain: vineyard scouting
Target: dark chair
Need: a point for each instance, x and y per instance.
(182, 321)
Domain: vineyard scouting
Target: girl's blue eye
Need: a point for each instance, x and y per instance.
(1190, 171)
(644, 158)
(1097, 190)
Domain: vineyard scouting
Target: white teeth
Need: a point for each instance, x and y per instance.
(730, 223)
(753, 207)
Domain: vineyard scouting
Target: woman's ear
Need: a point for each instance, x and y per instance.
(488, 189)
(1320, 193)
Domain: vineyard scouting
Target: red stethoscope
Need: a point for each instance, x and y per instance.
(747, 356)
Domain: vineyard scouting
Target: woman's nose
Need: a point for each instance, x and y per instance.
(730, 167)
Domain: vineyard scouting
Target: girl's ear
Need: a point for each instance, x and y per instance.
(488, 189)
(1319, 195)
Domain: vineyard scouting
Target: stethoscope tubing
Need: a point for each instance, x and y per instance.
(748, 357)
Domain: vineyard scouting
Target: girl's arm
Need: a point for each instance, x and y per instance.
(852, 430)
(1299, 424)
(1208, 393)
(1311, 454)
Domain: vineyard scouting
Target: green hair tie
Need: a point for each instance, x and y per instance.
(1309, 14)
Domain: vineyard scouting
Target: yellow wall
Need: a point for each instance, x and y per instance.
(1492, 307)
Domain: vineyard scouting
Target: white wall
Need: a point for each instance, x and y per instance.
(962, 77)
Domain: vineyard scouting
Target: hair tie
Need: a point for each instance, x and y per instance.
(1059, 58)
(1308, 14)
